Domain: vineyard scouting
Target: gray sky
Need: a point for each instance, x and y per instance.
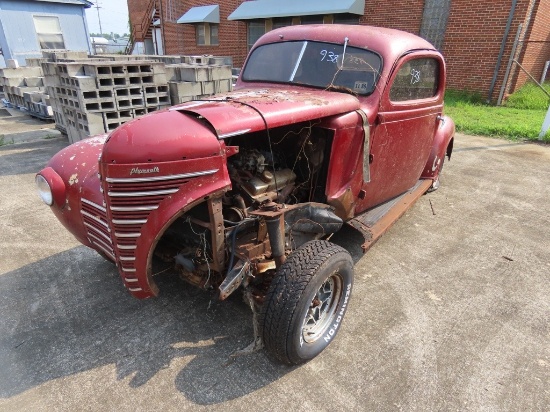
(113, 14)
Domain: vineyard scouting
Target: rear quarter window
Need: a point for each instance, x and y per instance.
(416, 79)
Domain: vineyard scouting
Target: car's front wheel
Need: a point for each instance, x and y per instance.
(306, 302)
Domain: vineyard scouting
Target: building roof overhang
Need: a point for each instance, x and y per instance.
(264, 9)
(87, 4)
(201, 14)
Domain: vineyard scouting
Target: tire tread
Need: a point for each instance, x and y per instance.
(285, 291)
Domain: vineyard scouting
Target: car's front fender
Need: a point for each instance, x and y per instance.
(159, 221)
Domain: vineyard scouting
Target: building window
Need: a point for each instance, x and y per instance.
(416, 79)
(256, 29)
(201, 34)
(346, 18)
(207, 34)
(48, 32)
(279, 22)
(311, 19)
(214, 35)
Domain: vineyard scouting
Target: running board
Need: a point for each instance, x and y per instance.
(375, 222)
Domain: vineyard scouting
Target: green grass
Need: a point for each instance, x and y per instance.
(3, 140)
(530, 96)
(516, 121)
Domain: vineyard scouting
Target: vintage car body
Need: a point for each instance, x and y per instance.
(327, 124)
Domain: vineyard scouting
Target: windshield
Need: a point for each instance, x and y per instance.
(315, 64)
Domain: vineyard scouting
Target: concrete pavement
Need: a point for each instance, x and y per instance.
(17, 127)
(450, 309)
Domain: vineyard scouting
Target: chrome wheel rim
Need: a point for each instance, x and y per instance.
(322, 308)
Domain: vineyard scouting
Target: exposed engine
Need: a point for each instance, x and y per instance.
(283, 167)
(258, 179)
(287, 166)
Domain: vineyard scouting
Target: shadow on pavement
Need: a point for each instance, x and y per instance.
(29, 157)
(495, 146)
(69, 313)
(351, 240)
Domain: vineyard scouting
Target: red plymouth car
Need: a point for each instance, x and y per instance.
(327, 125)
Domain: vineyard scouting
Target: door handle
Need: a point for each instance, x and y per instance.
(441, 119)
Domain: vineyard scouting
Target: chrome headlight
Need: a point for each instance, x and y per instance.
(44, 189)
(51, 187)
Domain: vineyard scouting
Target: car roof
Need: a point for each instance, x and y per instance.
(389, 43)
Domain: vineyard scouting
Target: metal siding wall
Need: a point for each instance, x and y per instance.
(17, 20)
(3, 45)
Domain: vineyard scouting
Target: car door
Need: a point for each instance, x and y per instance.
(407, 120)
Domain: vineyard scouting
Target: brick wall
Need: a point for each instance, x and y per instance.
(403, 15)
(471, 44)
(136, 10)
(232, 35)
(180, 38)
(536, 50)
(473, 40)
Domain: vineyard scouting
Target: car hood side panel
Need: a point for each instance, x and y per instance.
(249, 110)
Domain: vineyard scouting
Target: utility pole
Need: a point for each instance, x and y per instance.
(98, 17)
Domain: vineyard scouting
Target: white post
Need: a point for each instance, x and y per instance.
(545, 124)
(544, 71)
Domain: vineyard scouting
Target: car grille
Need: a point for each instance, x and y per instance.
(94, 217)
(130, 201)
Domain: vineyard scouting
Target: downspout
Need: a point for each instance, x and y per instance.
(162, 22)
(502, 46)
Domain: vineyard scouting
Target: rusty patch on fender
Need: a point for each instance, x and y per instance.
(344, 205)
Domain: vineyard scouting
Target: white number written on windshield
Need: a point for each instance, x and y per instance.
(328, 56)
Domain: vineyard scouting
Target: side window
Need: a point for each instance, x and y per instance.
(256, 29)
(345, 18)
(214, 37)
(49, 33)
(416, 79)
(279, 22)
(207, 34)
(201, 34)
(317, 19)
